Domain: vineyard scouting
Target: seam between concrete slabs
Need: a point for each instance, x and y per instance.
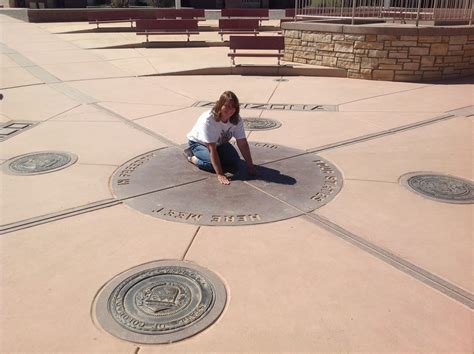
(387, 257)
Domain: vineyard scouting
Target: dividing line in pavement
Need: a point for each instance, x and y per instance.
(411, 269)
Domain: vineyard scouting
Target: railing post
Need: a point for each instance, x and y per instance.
(178, 4)
(418, 13)
(472, 12)
(353, 10)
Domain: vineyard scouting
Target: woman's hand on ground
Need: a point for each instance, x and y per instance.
(223, 179)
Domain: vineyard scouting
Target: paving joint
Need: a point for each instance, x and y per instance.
(191, 243)
(387, 257)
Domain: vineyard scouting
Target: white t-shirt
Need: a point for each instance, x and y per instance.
(208, 130)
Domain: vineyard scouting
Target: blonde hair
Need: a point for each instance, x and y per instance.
(228, 97)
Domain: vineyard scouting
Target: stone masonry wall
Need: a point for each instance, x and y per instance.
(384, 57)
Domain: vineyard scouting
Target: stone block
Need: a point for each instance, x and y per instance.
(329, 61)
(387, 75)
(439, 60)
(384, 37)
(429, 39)
(456, 52)
(387, 61)
(345, 56)
(411, 66)
(348, 65)
(465, 47)
(407, 77)
(450, 70)
(370, 37)
(403, 44)
(390, 67)
(354, 37)
(359, 75)
(427, 61)
(369, 63)
(343, 47)
(305, 55)
(409, 38)
(469, 53)
(453, 59)
(458, 47)
(430, 75)
(324, 46)
(445, 39)
(292, 41)
(457, 39)
(378, 53)
(287, 56)
(419, 51)
(322, 37)
(398, 54)
(368, 45)
(467, 72)
(414, 58)
(314, 62)
(404, 72)
(337, 37)
(471, 37)
(292, 34)
(360, 51)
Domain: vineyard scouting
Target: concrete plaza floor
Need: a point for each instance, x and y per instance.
(377, 269)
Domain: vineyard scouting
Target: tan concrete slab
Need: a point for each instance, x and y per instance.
(86, 113)
(432, 235)
(61, 57)
(134, 111)
(250, 89)
(134, 66)
(84, 71)
(25, 197)
(28, 103)
(15, 77)
(67, 262)
(324, 90)
(443, 147)
(375, 206)
(431, 98)
(132, 90)
(6, 62)
(293, 287)
(111, 54)
(98, 142)
(307, 130)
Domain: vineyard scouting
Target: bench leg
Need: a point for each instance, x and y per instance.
(147, 38)
(97, 25)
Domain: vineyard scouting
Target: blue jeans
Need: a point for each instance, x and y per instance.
(228, 156)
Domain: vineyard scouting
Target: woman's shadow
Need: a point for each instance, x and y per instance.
(264, 173)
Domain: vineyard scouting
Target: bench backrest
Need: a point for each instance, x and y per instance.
(108, 15)
(166, 24)
(238, 24)
(244, 12)
(257, 42)
(290, 12)
(180, 13)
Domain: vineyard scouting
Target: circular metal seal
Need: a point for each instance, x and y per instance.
(160, 302)
(261, 124)
(39, 162)
(443, 188)
(290, 182)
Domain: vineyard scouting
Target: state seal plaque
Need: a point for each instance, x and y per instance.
(39, 162)
(260, 124)
(440, 187)
(161, 302)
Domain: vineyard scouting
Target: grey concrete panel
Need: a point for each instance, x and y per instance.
(209, 203)
(153, 171)
(307, 182)
(163, 184)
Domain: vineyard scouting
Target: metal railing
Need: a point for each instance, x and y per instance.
(395, 10)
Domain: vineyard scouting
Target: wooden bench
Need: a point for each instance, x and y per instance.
(117, 16)
(166, 27)
(260, 14)
(185, 14)
(274, 43)
(238, 26)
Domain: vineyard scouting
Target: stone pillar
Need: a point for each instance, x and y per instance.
(178, 4)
